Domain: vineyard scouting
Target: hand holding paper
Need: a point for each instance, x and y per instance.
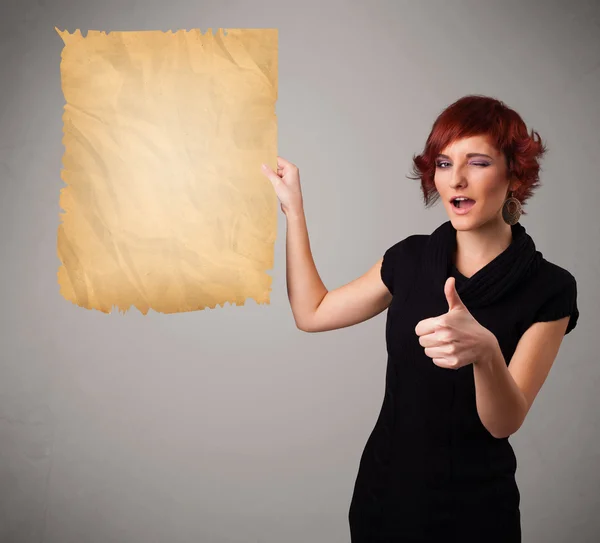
(286, 183)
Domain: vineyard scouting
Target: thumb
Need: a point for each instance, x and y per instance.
(452, 297)
(273, 177)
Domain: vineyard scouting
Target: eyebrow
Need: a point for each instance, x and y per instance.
(468, 155)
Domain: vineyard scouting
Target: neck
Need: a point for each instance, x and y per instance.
(478, 246)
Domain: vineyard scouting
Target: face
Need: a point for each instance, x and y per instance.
(472, 167)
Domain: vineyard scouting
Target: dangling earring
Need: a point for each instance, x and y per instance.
(511, 210)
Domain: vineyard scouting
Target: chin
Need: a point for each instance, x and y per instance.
(459, 225)
(464, 222)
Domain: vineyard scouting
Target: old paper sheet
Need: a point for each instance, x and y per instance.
(165, 206)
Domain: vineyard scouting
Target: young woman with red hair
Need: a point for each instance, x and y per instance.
(476, 316)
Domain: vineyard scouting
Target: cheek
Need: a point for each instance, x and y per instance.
(440, 182)
(491, 187)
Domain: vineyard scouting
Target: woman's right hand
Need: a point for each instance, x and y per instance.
(286, 182)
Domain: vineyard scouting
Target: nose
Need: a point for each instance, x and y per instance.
(457, 178)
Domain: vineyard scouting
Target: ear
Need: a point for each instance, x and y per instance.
(514, 184)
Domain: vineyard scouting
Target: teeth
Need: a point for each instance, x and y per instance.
(456, 201)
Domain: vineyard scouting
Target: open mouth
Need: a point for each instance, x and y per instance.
(463, 204)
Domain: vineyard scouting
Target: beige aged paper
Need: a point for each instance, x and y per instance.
(165, 205)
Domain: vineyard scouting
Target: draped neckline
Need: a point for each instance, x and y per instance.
(505, 272)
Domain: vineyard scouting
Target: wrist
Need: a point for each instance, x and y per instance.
(489, 349)
(295, 213)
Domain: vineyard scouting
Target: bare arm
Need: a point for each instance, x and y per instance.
(350, 304)
(316, 309)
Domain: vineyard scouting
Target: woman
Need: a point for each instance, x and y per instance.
(476, 318)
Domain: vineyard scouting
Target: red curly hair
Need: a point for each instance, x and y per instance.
(475, 115)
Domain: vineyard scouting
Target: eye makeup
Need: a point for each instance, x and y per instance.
(479, 163)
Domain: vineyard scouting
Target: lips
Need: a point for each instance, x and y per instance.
(465, 207)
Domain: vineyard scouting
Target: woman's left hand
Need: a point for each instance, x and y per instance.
(454, 339)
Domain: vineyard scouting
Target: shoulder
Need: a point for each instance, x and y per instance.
(410, 245)
(553, 278)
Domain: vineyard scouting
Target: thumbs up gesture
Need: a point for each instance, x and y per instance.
(454, 339)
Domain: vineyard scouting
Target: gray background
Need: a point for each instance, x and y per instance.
(230, 425)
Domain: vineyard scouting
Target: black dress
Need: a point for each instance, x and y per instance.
(430, 470)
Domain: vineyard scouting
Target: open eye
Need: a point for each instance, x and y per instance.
(439, 164)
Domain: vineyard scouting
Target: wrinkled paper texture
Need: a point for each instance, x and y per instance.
(165, 205)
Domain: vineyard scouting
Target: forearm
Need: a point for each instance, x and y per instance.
(304, 286)
(500, 403)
